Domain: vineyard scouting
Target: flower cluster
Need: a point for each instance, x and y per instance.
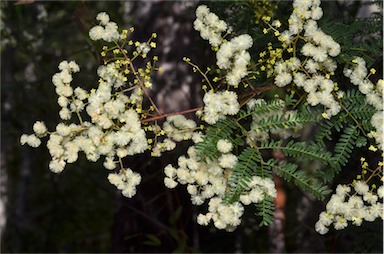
(314, 71)
(107, 30)
(62, 81)
(233, 56)
(113, 130)
(257, 190)
(125, 181)
(111, 74)
(219, 104)
(176, 129)
(344, 206)
(303, 11)
(109, 117)
(223, 216)
(209, 180)
(33, 140)
(358, 74)
(209, 25)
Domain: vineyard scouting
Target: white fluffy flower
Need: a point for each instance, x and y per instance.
(365, 86)
(103, 17)
(219, 104)
(201, 11)
(319, 54)
(209, 25)
(126, 181)
(380, 191)
(224, 146)
(23, 139)
(321, 228)
(307, 49)
(283, 79)
(56, 165)
(342, 190)
(317, 13)
(370, 198)
(74, 67)
(111, 33)
(311, 66)
(109, 163)
(242, 42)
(361, 187)
(170, 171)
(228, 160)
(233, 55)
(39, 128)
(71, 152)
(170, 183)
(63, 130)
(96, 33)
(299, 79)
(31, 140)
(62, 101)
(203, 219)
(340, 223)
(80, 93)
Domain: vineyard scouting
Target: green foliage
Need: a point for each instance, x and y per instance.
(261, 108)
(344, 147)
(290, 171)
(357, 37)
(253, 160)
(249, 164)
(290, 99)
(223, 129)
(299, 149)
(311, 152)
(357, 109)
(284, 121)
(345, 130)
(266, 210)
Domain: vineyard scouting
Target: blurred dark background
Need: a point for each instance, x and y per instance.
(78, 210)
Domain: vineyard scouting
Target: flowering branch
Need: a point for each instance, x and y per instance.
(231, 162)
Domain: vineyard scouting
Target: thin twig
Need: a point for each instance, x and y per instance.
(254, 92)
(170, 114)
(138, 78)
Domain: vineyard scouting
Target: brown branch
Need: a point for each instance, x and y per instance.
(257, 90)
(170, 114)
(254, 92)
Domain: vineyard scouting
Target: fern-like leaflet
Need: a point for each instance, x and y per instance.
(344, 147)
(266, 210)
(261, 108)
(249, 164)
(289, 171)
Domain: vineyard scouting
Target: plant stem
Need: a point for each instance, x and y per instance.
(140, 81)
(170, 114)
